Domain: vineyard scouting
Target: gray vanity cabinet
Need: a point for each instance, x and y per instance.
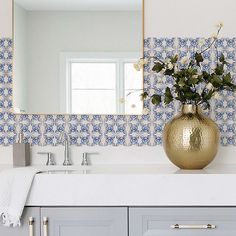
(182, 221)
(24, 230)
(89, 221)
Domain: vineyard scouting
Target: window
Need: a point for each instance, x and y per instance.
(101, 83)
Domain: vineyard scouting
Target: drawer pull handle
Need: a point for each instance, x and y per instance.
(208, 226)
(31, 226)
(45, 226)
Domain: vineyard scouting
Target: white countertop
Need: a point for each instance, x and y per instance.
(134, 186)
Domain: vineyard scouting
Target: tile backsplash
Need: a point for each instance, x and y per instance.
(118, 130)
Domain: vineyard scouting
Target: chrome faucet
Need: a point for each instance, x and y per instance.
(50, 159)
(67, 160)
(85, 161)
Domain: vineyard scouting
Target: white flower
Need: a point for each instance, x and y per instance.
(202, 42)
(214, 36)
(168, 60)
(195, 76)
(176, 69)
(137, 67)
(220, 24)
(145, 111)
(216, 95)
(209, 86)
(143, 62)
(170, 66)
(185, 60)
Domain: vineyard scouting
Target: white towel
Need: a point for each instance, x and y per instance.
(15, 185)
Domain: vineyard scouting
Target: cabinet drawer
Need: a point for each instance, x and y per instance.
(182, 221)
(86, 221)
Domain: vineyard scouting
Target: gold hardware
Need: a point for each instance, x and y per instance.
(208, 226)
(31, 226)
(45, 226)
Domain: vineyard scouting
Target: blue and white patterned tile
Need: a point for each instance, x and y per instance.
(115, 130)
(54, 126)
(225, 110)
(96, 131)
(119, 130)
(7, 129)
(138, 129)
(31, 127)
(228, 134)
(78, 131)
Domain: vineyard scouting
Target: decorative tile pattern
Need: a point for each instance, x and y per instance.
(119, 130)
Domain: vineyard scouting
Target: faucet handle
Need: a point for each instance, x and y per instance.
(50, 160)
(85, 161)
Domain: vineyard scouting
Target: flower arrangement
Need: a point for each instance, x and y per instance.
(192, 83)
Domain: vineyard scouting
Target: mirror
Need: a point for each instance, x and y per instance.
(76, 56)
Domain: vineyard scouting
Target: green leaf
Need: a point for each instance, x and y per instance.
(158, 67)
(207, 96)
(174, 59)
(169, 72)
(179, 74)
(206, 76)
(182, 82)
(144, 95)
(193, 81)
(219, 70)
(191, 71)
(222, 59)
(168, 96)
(216, 81)
(156, 99)
(227, 79)
(189, 95)
(198, 58)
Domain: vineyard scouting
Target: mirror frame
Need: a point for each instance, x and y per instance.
(67, 114)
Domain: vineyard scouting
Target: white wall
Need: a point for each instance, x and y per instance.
(50, 33)
(20, 59)
(189, 18)
(5, 18)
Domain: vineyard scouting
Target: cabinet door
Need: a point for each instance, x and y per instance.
(85, 221)
(24, 230)
(182, 221)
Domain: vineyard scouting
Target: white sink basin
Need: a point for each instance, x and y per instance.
(130, 170)
(132, 186)
(110, 170)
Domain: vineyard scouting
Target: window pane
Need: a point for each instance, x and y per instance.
(93, 102)
(133, 102)
(93, 75)
(133, 78)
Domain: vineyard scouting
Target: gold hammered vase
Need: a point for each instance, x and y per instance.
(191, 139)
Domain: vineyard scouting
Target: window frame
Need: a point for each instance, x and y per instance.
(118, 58)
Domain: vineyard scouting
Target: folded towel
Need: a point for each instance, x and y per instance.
(15, 185)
